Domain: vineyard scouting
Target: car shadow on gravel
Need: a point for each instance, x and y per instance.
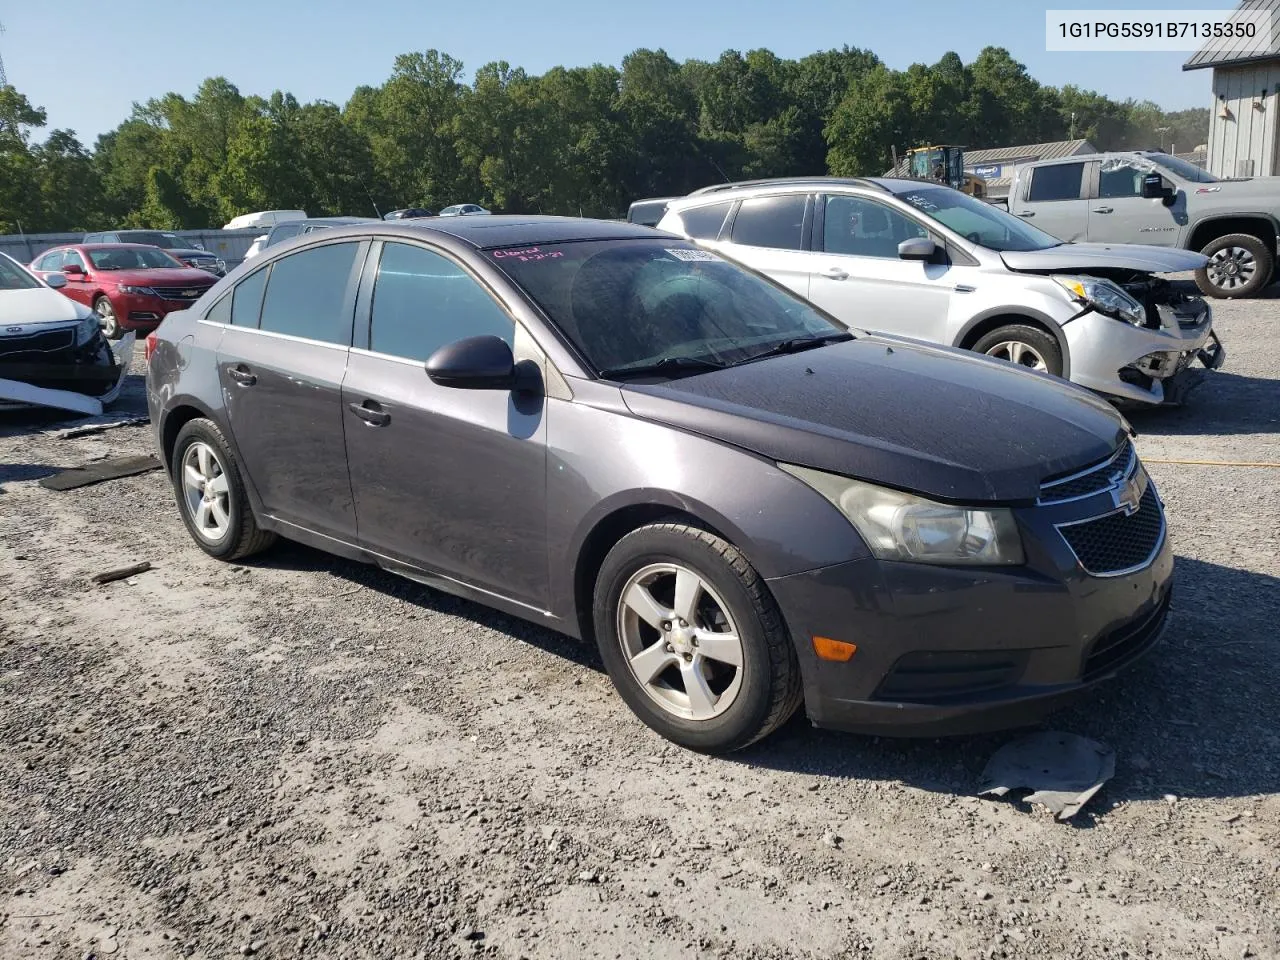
(17, 472)
(1225, 404)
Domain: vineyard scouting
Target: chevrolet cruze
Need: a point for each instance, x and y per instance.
(611, 432)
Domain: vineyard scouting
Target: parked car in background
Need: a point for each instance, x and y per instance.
(129, 285)
(190, 252)
(463, 210)
(922, 260)
(617, 434)
(49, 342)
(648, 212)
(409, 213)
(1144, 196)
(298, 228)
(264, 218)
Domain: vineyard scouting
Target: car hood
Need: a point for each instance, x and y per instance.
(1069, 257)
(188, 252)
(1264, 189)
(943, 423)
(163, 277)
(37, 306)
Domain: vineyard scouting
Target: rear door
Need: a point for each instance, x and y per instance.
(447, 480)
(770, 234)
(281, 364)
(1119, 214)
(1054, 199)
(859, 278)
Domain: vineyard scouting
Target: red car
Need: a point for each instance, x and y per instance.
(130, 285)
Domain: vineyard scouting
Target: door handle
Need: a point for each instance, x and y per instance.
(835, 273)
(1026, 213)
(370, 412)
(1104, 210)
(242, 376)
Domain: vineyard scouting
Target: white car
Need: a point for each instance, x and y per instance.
(463, 210)
(264, 218)
(921, 260)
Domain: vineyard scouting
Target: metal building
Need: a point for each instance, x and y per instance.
(1244, 126)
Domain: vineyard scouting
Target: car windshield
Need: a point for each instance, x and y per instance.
(1183, 169)
(977, 220)
(13, 277)
(633, 303)
(132, 258)
(168, 241)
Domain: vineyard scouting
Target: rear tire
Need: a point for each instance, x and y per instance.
(683, 682)
(1240, 265)
(111, 328)
(211, 494)
(1024, 345)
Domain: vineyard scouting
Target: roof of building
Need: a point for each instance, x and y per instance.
(1041, 151)
(1230, 51)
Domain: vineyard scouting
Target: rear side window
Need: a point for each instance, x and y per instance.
(220, 312)
(704, 223)
(1060, 182)
(422, 301)
(246, 300)
(307, 294)
(776, 222)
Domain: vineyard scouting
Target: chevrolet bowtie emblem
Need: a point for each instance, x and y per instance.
(1127, 496)
(189, 293)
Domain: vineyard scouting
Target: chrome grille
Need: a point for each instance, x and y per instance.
(1092, 480)
(1118, 543)
(186, 294)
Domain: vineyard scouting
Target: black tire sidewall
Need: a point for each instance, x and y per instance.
(740, 723)
(1043, 342)
(1261, 254)
(201, 430)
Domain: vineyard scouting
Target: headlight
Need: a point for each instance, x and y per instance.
(1105, 297)
(900, 526)
(87, 330)
(144, 291)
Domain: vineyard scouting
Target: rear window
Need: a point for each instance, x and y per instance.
(1059, 182)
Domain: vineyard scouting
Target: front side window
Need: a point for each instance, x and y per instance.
(246, 299)
(704, 223)
(628, 303)
(1059, 182)
(50, 261)
(13, 277)
(1118, 180)
(864, 228)
(133, 258)
(776, 222)
(307, 294)
(423, 301)
(72, 258)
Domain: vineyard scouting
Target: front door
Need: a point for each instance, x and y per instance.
(281, 364)
(446, 480)
(859, 278)
(1121, 215)
(80, 286)
(1055, 201)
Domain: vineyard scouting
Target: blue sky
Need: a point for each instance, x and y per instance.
(86, 67)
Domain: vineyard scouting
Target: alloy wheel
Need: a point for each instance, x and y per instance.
(1231, 268)
(1015, 351)
(680, 641)
(107, 317)
(205, 489)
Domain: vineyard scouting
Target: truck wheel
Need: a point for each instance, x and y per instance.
(1024, 345)
(1239, 265)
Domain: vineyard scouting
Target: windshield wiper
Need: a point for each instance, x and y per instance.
(796, 345)
(671, 366)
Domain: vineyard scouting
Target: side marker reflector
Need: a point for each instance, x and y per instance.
(835, 650)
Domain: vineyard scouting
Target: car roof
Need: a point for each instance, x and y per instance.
(507, 230)
(112, 246)
(722, 191)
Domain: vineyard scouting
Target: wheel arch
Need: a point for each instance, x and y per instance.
(982, 324)
(178, 415)
(1260, 225)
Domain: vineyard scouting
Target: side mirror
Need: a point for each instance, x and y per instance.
(917, 248)
(73, 269)
(1156, 187)
(56, 280)
(479, 363)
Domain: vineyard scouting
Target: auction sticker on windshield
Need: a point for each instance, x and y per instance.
(692, 256)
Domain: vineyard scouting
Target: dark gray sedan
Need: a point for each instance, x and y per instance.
(613, 433)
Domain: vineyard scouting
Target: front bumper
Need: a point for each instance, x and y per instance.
(143, 312)
(1144, 365)
(943, 651)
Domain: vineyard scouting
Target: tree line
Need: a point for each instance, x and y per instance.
(581, 141)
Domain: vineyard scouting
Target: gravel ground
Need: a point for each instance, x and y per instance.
(303, 756)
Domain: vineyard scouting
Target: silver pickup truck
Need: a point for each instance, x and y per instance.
(1155, 198)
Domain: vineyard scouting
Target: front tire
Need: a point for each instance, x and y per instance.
(211, 494)
(1240, 265)
(111, 328)
(1024, 345)
(692, 639)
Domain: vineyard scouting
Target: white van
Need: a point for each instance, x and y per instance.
(264, 218)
